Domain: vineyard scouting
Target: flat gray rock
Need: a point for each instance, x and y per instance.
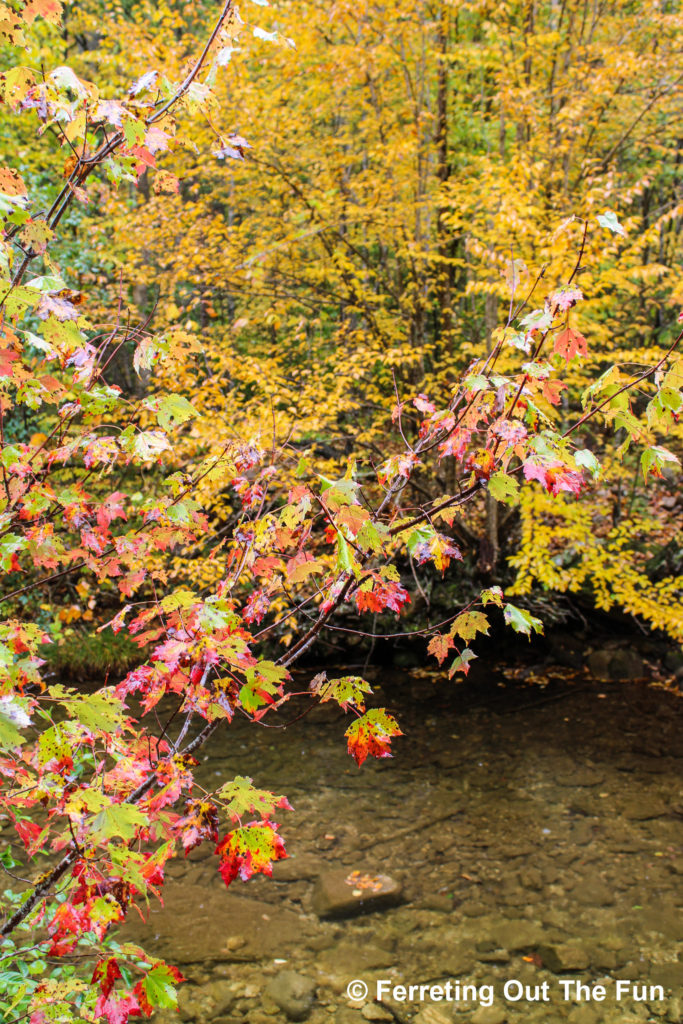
(343, 893)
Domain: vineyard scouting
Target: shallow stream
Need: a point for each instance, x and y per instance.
(534, 833)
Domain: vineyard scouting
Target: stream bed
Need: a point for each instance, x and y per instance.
(530, 831)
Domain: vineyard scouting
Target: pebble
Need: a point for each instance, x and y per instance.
(489, 1015)
(371, 1011)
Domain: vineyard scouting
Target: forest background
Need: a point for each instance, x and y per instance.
(284, 323)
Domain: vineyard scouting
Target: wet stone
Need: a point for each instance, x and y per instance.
(583, 1015)
(371, 1011)
(347, 1015)
(669, 975)
(293, 993)
(516, 936)
(644, 808)
(292, 869)
(436, 901)
(564, 958)
(494, 956)
(489, 1015)
(593, 892)
(353, 958)
(674, 1010)
(340, 894)
(197, 922)
(456, 961)
(473, 908)
(432, 1015)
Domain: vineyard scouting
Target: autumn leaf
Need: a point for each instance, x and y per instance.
(462, 663)
(119, 820)
(250, 850)
(504, 488)
(11, 182)
(348, 691)
(241, 797)
(439, 646)
(570, 343)
(468, 624)
(165, 183)
(50, 10)
(157, 989)
(173, 410)
(149, 444)
(371, 734)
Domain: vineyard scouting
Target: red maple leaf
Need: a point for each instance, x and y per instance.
(384, 594)
(256, 606)
(569, 343)
(117, 1011)
(200, 822)
(28, 832)
(105, 974)
(250, 850)
(371, 734)
(439, 646)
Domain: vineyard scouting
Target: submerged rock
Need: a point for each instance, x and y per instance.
(516, 936)
(200, 924)
(489, 1015)
(293, 993)
(205, 1002)
(432, 1015)
(564, 958)
(371, 1011)
(342, 893)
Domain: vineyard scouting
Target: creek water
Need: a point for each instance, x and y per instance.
(535, 832)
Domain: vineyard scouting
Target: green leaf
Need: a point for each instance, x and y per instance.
(504, 488)
(242, 798)
(97, 711)
(47, 283)
(19, 300)
(173, 410)
(10, 737)
(585, 458)
(345, 560)
(654, 458)
(369, 537)
(180, 598)
(119, 820)
(521, 620)
(345, 691)
(134, 132)
(159, 987)
(53, 746)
